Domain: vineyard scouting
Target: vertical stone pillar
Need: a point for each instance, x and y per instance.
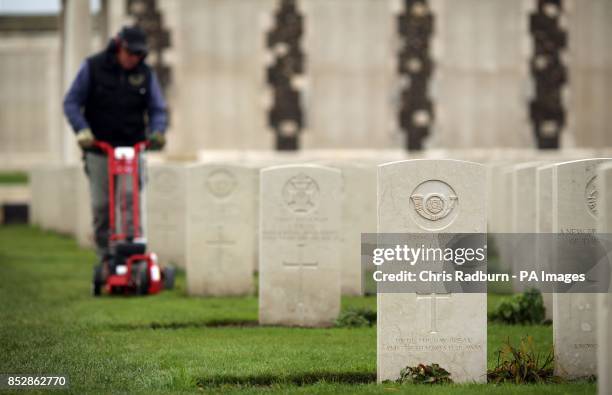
(350, 74)
(480, 85)
(76, 45)
(590, 72)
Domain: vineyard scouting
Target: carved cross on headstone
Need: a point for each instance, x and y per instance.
(434, 297)
(220, 240)
(300, 265)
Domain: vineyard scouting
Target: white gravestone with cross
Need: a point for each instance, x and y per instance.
(220, 226)
(604, 312)
(575, 199)
(166, 205)
(428, 197)
(544, 183)
(299, 249)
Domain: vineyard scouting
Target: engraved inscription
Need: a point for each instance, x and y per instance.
(434, 343)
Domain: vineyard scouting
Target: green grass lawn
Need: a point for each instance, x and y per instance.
(50, 324)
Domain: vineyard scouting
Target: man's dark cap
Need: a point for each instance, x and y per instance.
(134, 39)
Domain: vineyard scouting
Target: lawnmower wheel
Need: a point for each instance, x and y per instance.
(98, 280)
(142, 278)
(169, 272)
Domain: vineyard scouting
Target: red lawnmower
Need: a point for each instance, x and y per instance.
(130, 269)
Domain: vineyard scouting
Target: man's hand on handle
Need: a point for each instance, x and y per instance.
(85, 138)
(157, 141)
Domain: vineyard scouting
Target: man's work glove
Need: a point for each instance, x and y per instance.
(157, 140)
(85, 138)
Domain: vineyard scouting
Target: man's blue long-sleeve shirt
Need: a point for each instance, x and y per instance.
(77, 95)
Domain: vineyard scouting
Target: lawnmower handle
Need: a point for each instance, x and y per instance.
(109, 149)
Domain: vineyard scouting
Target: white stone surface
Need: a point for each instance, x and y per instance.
(220, 229)
(68, 204)
(574, 210)
(166, 205)
(350, 66)
(219, 75)
(448, 329)
(590, 72)
(480, 85)
(544, 183)
(50, 210)
(524, 222)
(604, 313)
(84, 222)
(30, 112)
(299, 272)
(76, 37)
(358, 216)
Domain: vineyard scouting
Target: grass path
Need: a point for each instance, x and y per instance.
(174, 343)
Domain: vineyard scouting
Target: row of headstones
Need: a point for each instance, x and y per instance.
(299, 216)
(300, 237)
(571, 197)
(558, 198)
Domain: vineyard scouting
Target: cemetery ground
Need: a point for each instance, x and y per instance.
(50, 324)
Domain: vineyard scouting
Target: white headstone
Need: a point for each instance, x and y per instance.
(544, 225)
(299, 272)
(68, 204)
(84, 225)
(220, 229)
(604, 314)
(358, 216)
(166, 207)
(50, 210)
(524, 222)
(447, 329)
(574, 211)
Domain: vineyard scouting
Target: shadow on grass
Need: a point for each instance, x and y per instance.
(300, 379)
(187, 325)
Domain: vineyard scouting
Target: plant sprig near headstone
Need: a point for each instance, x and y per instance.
(522, 364)
(525, 308)
(356, 318)
(424, 374)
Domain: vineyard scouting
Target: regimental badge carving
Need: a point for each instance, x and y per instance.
(221, 183)
(301, 194)
(434, 204)
(591, 196)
